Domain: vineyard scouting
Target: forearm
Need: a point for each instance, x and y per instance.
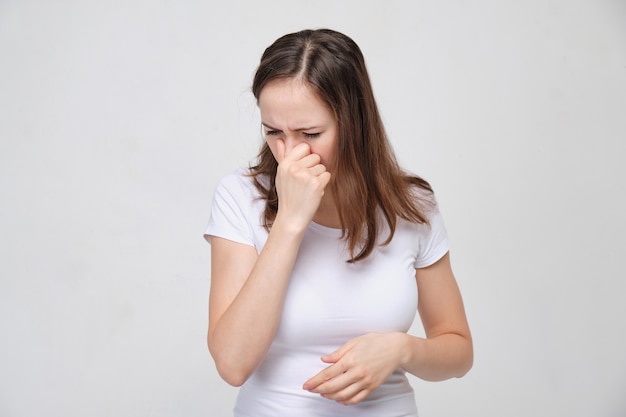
(239, 340)
(438, 358)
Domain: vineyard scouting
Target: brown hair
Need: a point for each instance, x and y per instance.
(366, 174)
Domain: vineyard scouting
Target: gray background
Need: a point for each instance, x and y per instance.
(117, 119)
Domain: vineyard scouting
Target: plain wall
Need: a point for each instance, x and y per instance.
(118, 118)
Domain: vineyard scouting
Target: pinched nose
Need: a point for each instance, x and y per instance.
(290, 143)
(286, 144)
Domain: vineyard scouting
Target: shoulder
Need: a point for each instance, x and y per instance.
(422, 196)
(425, 201)
(237, 191)
(240, 181)
(237, 208)
(240, 177)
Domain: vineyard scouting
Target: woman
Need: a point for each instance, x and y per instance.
(323, 251)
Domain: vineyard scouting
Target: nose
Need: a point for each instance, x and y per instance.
(290, 143)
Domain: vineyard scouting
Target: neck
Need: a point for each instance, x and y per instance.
(327, 214)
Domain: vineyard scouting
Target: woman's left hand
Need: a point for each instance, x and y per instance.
(358, 367)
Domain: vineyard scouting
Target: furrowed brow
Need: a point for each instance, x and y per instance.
(269, 127)
(301, 129)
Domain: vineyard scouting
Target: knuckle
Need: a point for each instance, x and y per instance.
(292, 168)
(350, 362)
(350, 400)
(340, 397)
(316, 183)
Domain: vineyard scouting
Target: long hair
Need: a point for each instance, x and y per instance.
(367, 179)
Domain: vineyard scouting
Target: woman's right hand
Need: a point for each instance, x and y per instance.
(300, 183)
(249, 287)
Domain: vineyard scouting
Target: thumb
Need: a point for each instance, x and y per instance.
(280, 150)
(336, 355)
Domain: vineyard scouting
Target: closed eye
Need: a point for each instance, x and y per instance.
(311, 135)
(272, 132)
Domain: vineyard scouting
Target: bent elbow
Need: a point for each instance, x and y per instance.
(465, 368)
(467, 362)
(236, 379)
(233, 374)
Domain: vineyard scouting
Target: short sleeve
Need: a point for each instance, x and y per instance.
(433, 240)
(230, 211)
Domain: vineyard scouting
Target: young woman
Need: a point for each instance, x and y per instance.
(322, 252)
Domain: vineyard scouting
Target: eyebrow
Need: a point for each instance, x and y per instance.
(297, 130)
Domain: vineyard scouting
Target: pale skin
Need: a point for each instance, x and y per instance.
(249, 288)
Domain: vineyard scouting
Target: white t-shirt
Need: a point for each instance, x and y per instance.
(328, 302)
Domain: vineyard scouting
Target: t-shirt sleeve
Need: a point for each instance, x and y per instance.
(433, 240)
(230, 212)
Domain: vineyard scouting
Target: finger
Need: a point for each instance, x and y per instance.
(332, 357)
(310, 160)
(318, 169)
(352, 399)
(325, 179)
(341, 387)
(330, 372)
(346, 393)
(324, 385)
(338, 353)
(313, 383)
(298, 152)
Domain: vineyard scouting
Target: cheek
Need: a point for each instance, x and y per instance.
(328, 154)
(271, 143)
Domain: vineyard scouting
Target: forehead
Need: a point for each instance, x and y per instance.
(292, 99)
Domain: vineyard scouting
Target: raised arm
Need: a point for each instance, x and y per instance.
(246, 298)
(247, 290)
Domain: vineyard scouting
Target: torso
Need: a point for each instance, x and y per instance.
(328, 302)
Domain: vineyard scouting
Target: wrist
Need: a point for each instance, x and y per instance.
(409, 347)
(288, 227)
